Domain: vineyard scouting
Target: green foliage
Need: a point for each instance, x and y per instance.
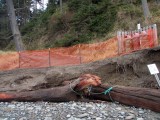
(71, 39)
(83, 21)
(95, 18)
(38, 22)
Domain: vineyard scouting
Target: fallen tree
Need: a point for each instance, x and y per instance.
(133, 96)
(89, 86)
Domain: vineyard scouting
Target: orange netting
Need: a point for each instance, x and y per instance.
(138, 39)
(82, 53)
(77, 54)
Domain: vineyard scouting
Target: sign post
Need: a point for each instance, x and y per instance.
(154, 71)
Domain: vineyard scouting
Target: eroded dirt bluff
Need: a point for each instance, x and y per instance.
(127, 70)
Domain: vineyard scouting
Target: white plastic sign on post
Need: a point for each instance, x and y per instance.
(138, 26)
(154, 71)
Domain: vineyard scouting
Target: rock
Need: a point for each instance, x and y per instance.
(118, 108)
(82, 115)
(72, 108)
(131, 111)
(23, 118)
(11, 106)
(122, 113)
(141, 112)
(49, 115)
(105, 114)
(83, 109)
(68, 116)
(73, 118)
(131, 116)
(30, 108)
(98, 118)
(121, 116)
(48, 118)
(89, 105)
(140, 119)
(4, 119)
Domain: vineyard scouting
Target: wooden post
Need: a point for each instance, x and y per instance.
(80, 59)
(19, 53)
(49, 59)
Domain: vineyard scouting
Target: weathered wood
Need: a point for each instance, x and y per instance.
(56, 94)
(138, 97)
(133, 96)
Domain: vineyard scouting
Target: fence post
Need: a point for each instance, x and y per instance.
(155, 36)
(119, 37)
(49, 59)
(80, 59)
(19, 54)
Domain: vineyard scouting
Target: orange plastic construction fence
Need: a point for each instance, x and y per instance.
(138, 39)
(125, 42)
(74, 55)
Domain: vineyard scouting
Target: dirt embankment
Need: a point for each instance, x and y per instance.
(128, 70)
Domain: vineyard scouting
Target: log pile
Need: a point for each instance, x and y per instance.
(89, 86)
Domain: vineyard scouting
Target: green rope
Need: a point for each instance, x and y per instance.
(108, 90)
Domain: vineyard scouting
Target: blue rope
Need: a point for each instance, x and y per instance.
(108, 90)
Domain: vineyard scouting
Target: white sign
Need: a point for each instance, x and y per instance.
(153, 69)
(138, 26)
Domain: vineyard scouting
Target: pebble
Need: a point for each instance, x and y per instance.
(73, 111)
(82, 115)
(23, 118)
(68, 116)
(48, 118)
(98, 118)
(119, 108)
(122, 113)
(140, 119)
(141, 112)
(131, 116)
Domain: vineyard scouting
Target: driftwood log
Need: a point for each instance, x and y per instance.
(56, 94)
(138, 97)
(133, 96)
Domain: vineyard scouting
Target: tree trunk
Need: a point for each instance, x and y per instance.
(146, 11)
(56, 94)
(14, 26)
(133, 96)
(61, 6)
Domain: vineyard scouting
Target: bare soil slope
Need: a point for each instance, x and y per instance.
(127, 70)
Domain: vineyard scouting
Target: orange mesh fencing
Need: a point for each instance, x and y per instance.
(138, 39)
(125, 42)
(60, 58)
(9, 61)
(74, 55)
(34, 59)
(99, 51)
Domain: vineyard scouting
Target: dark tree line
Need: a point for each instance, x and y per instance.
(14, 14)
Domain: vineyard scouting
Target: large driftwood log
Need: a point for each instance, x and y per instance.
(56, 94)
(133, 96)
(138, 97)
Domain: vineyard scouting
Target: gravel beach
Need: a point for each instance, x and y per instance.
(73, 111)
